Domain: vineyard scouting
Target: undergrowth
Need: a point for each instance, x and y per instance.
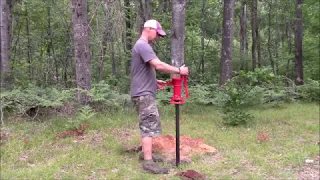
(244, 90)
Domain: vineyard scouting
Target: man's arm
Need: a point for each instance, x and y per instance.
(164, 67)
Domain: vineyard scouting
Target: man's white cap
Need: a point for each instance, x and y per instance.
(155, 25)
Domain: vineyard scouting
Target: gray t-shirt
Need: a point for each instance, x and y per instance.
(143, 75)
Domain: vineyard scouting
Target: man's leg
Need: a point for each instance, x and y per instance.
(149, 126)
(147, 147)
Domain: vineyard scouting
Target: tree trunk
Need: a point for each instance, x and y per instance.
(178, 32)
(29, 45)
(253, 30)
(202, 35)
(277, 40)
(48, 48)
(148, 10)
(129, 25)
(68, 58)
(105, 39)
(81, 47)
(144, 11)
(298, 43)
(113, 59)
(226, 52)
(160, 6)
(6, 39)
(51, 47)
(246, 44)
(289, 36)
(166, 5)
(243, 35)
(139, 17)
(258, 41)
(269, 37)
(284, 20)
(102, 53)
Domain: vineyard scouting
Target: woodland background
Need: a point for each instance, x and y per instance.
(240, 53)
(65, 108)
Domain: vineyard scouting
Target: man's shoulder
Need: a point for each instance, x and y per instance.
(141, 43)
(140, 46)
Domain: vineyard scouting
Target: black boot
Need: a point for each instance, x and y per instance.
(150, 166)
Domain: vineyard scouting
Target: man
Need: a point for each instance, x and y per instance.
(144, 85)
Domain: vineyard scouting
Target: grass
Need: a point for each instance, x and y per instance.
(32, 152)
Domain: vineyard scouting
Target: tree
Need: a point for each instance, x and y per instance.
(109, 35)
(178, 32)
(148, 9)
(6, 38)
(42, 49)
(257, 24)
(277, 39)
(129, 25)
(226, 52)
(289, 34)
(269, 37)
(254, 32)
(203, 10)
(144, 11)
(243, 36)
(298, 43)
(81, 47)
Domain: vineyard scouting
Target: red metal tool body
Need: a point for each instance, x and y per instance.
(177, 83)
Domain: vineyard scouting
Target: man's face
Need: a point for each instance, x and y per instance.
(153, 35)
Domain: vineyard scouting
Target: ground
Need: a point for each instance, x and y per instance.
(310, 170)
(282, 143)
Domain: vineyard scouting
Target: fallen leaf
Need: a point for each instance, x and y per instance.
(102, 171)
(115, 170)
(31, 165)
(308, 161)
(24, 157)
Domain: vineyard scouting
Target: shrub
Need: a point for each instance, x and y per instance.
(257, 77)
(104, 97)
(25, 101)
(236, 117)
(164, 97)
(86, 113)
(310, 90)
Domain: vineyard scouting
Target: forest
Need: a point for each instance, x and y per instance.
(69, 62)
(50, 47)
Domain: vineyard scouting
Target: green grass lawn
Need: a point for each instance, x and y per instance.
(32, 151)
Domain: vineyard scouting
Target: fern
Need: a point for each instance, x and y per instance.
(310, 90)
(86, 113)
(103, 94)
(20, 100)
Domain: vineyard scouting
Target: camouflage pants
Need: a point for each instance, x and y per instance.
(149, 119)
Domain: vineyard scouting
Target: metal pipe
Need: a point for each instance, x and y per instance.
(177, 135)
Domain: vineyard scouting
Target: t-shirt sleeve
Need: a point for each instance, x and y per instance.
(146, 52)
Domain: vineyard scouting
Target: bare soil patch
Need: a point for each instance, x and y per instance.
(310, 170)
(166, 145)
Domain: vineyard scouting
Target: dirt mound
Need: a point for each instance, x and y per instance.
(166, 145)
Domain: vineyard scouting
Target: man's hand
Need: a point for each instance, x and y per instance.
(184, 70)
(161, 85)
